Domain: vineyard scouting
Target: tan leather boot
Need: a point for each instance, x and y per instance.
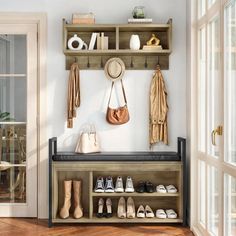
(64, 213)
(77, 187)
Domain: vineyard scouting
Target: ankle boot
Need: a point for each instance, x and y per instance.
(64, 213)
(77, 187)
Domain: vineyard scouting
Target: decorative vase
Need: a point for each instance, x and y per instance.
(75, 43)
(134, 42)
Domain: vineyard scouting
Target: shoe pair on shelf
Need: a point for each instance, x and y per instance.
(126, 211)
(100, 187)
(145, 187)
(145, 212)
(170, 213)
(101, 211)
(77, 195)
(108, 187)
(129, 187)
(168, 189)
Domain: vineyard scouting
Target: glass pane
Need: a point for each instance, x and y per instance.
(230, 206)
(12, 184)
(230, 84)
(213, 200)
(211, 2)
(12, 99)
(12, 144)
(202, 192)
(13, 117)
(202, 91)
(214, 84)
(201, 8)
(13, 54)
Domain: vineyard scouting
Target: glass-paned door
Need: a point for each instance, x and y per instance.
(215, 124)
(18, 125)
(230, 118)
(230, 83)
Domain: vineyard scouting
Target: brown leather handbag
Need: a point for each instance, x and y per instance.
(119, 115)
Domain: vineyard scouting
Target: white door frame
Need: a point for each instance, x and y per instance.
(40, 19)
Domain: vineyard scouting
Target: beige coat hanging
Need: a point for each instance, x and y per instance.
(73, 99)
(158, 131)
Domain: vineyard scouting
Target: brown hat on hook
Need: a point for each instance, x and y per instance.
(114, 69)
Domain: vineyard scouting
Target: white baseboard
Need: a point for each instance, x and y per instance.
(196, 231)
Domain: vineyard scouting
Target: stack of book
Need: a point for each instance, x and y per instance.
(83, 18)
(102, 41)
(140, 21)
(152, 47)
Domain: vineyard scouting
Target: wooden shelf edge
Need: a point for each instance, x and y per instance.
(135, 194)
(113, 51)
(134, 25)
(115, 219)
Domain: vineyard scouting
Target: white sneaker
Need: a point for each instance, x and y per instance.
(99, 188)
(171, 214)
(119, 185)
(129, 187)
(161, 189)
(160, 213)
(171, 189)
(109, 188)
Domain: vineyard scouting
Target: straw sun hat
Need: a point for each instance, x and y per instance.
(114, 69)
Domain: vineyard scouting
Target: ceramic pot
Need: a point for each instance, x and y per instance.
(134, 42)
(76, 43)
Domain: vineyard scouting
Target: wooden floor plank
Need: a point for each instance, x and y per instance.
(34, 227)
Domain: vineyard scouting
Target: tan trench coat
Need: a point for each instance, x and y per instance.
(158, 131)
(73, 99)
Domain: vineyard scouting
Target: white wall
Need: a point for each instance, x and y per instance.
(188, 102)
(95, 88)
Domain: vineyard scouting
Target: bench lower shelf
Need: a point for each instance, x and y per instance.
(115, 219)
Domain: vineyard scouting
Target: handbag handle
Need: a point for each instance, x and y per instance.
(123, 90)
(92, 128)
(89, 128)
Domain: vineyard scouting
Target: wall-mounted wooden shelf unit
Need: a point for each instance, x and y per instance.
(119, 37)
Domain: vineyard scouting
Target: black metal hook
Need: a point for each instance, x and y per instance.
(146, 64)
(158, 67)
(102, 65)
(88, 64)
(158, 61)
(131, 63)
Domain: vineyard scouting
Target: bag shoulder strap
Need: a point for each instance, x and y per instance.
(123, 90)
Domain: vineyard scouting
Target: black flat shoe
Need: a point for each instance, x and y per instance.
(149, 187)
(140, 187)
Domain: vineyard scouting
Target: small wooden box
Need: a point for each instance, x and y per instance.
(83, 21)
(83, 18)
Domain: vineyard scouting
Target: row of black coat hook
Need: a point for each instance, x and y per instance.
(131, 62)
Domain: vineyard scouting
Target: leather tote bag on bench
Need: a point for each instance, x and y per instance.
(88, 141)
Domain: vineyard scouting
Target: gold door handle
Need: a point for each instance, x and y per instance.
(218, 131)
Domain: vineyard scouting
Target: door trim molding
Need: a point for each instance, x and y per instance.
(41, 20)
